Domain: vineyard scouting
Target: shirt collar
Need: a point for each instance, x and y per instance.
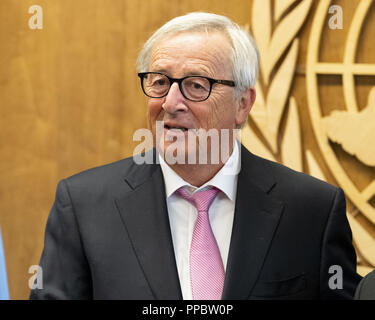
(225, 179)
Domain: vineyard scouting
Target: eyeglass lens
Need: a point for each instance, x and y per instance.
(193, 88)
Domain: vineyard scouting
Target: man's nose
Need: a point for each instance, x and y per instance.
(174, 100)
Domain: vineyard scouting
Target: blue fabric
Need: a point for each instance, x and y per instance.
(4, 293)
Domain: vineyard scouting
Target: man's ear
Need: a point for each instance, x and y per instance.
(245, 104)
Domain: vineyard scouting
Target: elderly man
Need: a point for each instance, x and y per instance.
(194, 228)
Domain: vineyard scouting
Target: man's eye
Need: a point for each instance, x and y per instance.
(197, 85)
(159, 82)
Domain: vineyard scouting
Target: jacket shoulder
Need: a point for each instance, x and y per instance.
(101, 174)
(288, 179)
(287, 184)
(119, 176)
(288, 176)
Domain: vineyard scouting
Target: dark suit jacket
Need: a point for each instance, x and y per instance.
(366, 288)
(108, 236)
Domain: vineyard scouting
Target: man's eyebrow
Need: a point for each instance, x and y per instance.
(159, 70)
(199, 74)
(189, 74)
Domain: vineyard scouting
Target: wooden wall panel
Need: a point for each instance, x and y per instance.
(70, 100)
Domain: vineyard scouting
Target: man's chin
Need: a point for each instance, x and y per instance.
(194, 147)
(174, 154)
(183, 155)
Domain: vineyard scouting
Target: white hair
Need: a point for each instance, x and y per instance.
(244, 57)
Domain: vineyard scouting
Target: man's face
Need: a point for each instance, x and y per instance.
(187, 54)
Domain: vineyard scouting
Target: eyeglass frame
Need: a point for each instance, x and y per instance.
(179, 81)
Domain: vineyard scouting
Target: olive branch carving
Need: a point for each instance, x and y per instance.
(278, 57)
(278, 52)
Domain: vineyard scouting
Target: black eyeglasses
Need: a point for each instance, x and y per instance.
(193, 88)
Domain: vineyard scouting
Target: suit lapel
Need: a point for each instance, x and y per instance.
(144, 214)
(255, 221)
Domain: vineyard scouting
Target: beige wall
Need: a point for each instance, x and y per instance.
(70, 100)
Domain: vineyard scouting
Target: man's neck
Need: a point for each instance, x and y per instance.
(197, 174)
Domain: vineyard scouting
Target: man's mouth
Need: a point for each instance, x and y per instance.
(175, 128)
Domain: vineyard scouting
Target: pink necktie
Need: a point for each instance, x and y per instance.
(206, 266)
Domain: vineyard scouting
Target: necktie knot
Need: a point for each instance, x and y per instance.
(202, 200)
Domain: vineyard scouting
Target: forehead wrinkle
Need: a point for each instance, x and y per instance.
(212, 58)
(188, 68)
(161, 60)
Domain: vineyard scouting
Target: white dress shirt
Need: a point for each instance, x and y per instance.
(182, 214)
